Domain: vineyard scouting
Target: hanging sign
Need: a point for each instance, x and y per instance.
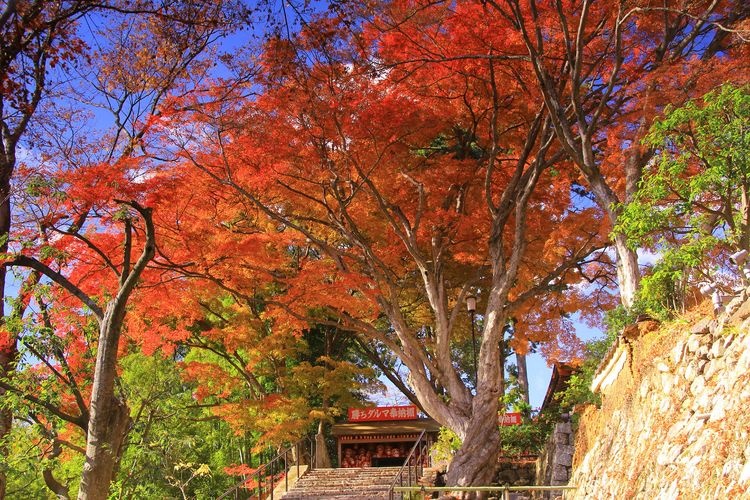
(382, 413)
(509, 419)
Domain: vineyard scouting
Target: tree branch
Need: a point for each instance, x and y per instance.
(32, 263)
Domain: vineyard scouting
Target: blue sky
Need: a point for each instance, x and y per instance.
(539, 374)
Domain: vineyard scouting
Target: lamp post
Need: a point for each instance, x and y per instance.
(471, 306)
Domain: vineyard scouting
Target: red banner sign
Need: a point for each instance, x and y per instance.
(509, 419)
(382, 413)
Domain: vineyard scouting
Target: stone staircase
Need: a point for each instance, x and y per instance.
(334, 484)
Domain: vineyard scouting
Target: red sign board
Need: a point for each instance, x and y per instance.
(509, 419)
(382, 413)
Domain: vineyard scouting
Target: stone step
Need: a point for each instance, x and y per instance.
(350, 479)
(323, 496)
(357, 471)
(356, 474)
(343, 485)
(341, 490)
(350, 493)
(337, 484)
(334, 484)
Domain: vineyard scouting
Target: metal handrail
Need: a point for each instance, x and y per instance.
(272, 466)
(399, 477)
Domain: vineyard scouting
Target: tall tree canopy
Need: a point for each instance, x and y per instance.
(401, 191)
(75, 196)
(605, 69)
(352, 178)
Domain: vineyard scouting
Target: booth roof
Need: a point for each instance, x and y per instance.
(386, 427)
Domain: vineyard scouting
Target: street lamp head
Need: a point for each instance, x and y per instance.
(471, 303)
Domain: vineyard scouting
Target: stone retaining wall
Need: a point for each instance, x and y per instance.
(515, 472)
(675, 422)
(554, 465)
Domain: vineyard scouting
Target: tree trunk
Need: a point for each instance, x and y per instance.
(109, 416)
(475, 462)
(9, 353)
(745, 217)
(523, 377)
(628, 273)
(501, 370)
(322, 459)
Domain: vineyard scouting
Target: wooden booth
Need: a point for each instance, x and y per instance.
(382, 436)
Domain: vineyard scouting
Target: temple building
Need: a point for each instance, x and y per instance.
(382, 436)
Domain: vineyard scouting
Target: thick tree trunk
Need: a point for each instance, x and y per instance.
(475, 462)
(109, 416)
(628, 273)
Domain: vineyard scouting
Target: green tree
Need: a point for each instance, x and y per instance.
(174, 448)
(177, 448)
(693, 205)
(28, 458)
